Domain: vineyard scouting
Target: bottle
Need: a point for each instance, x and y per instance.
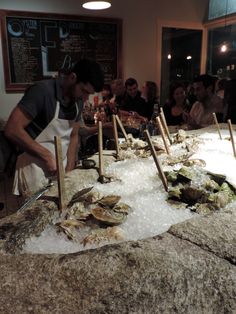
(95, 100)
(96, 116)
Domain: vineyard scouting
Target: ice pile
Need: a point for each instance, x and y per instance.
(141, 188)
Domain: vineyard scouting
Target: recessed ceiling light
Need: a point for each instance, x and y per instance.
(96, 5)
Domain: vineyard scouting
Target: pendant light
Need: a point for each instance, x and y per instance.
(96, 5)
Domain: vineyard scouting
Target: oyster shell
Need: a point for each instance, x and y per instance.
(69, 227)
(93, 197)
(77, 211)
(99, 235)
(109, 201)
(197, 162)
(180, 136)
(108, 216)
(79, 196)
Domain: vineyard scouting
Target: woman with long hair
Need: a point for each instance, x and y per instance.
(177, 105)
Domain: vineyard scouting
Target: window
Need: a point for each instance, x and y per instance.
(181, 56)
(222, 62)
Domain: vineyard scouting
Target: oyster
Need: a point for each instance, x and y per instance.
(180, 136)
(69, 227)
(77, 211)
(203, 191)
(107, 178)
(172, 160)
(193, 162)
(122, 208)
(185, 174)
(77, 197)
(219, 199)
(219, 178)
(212, 185)
(92, 197)
(192, 195)
(175, 192)
(99, 235)
(204, 209)
(109, 200)
(108, 216)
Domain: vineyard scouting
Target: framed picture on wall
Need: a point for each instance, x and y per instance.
(37, 45)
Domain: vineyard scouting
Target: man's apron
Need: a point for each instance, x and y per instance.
(30, 175)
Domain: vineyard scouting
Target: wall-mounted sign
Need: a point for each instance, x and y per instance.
(37, 46)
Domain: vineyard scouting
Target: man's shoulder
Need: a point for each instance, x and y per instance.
(46, 85)
(217, 102)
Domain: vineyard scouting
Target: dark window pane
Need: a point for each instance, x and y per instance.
(222, 64)
(181, 55)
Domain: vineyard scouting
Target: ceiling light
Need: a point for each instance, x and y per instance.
(169, 56)
(189, 57)
(223, 48)
(96, 5)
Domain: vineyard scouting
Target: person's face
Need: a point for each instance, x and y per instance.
(179, 95)
(132, 90)
(117, 88)
(200, 91)
(83, 90)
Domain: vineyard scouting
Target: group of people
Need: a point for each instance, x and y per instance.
(191, 105)
(195, 108)
(54, 107)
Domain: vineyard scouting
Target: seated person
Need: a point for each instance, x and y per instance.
(131, 109)
(207, 102)
(150, 95)
(118, 91)
(133, 100)
(177, 105)
(106, 92)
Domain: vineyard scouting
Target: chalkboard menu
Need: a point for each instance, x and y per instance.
(37, 46)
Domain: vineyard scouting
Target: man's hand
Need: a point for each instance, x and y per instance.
(50, 164)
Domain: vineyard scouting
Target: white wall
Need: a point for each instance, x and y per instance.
(140, 18)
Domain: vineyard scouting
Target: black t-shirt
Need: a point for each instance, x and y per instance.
(134, 104)
(40, 101)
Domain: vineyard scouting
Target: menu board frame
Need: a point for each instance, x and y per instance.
(14, 86)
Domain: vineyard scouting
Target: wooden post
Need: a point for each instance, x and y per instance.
(163, 121)
(231, 136)
(162, 134)
(100, 149)
(122, 128)
(158, 165)
(60, 173)
(217, 124)
(115, 135)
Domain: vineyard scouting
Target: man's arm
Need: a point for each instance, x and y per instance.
(73, 147)
(15, 131)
